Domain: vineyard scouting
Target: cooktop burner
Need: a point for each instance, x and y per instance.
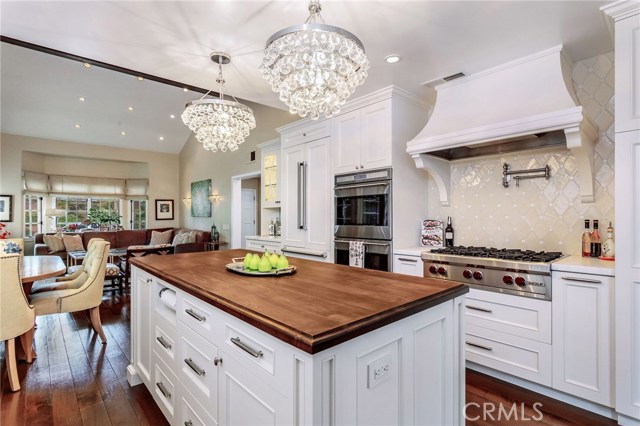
(507, 254)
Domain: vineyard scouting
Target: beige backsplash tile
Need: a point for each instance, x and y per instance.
(539, 214)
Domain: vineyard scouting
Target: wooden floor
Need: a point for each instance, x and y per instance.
(78, 381)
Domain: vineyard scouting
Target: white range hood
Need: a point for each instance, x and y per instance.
(525, 104)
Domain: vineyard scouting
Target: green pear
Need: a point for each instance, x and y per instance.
(265, 264)
(273, 258)
(282, 262)
(255, 260)
(247, 260)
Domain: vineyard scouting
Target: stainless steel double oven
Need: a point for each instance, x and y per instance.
(363, 213)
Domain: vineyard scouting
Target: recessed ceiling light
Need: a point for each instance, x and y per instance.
(81, 99)
(77, 126)
(172, 116)
(130, 108)
(123, 133)
(87, 65)
(392, 59)
(185, 89)
(161, 138)
(140, 78)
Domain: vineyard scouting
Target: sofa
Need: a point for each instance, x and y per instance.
(124, 239)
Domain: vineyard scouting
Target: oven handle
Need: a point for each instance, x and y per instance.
(361, 185)
(365, 243)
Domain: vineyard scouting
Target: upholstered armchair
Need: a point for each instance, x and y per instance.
(16, 316)
(82, 293)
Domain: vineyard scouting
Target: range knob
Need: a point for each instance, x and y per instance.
(467, 274)
(520, 281)
(477, 275)
(507, 279)
(433, 269)
(442, 271)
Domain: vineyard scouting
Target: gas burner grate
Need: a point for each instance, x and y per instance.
(506, 254)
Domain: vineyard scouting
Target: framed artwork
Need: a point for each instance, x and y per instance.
(6, 208)
(164, 209)
(200, 203)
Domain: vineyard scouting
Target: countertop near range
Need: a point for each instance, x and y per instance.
(319, 306)
(585, 265)
(266, 238)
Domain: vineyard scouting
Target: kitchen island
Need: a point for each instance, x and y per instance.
(329, 344)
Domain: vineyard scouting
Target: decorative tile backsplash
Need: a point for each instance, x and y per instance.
(539, 214)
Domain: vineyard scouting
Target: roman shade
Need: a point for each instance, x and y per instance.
(83, 185)
(35, 183)
(136, 189)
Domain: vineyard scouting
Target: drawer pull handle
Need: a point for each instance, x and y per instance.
(248, 349)
(582, 280)
(476, 308)
(163, 342)
(217, 361)
(486, 348)
(195, 315)
(188, 423)
(404, 259)
(164, 390)
(199, 371)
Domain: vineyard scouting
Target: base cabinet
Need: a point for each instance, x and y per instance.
(227, 372)
(408, 265)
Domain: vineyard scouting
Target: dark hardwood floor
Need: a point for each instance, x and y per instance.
(78, 381)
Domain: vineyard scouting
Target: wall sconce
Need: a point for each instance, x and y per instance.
(187, 201)
(216, 198)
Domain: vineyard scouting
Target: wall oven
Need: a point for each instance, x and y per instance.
(363, 213)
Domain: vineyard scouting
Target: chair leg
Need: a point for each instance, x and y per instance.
(12, 368)
(26, 340)
(96, 324)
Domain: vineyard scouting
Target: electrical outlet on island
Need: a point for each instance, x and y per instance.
(378, 370)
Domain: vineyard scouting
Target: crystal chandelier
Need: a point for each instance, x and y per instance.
(219, 124)
(314, 66)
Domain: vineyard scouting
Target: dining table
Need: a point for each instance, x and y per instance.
(35, 268)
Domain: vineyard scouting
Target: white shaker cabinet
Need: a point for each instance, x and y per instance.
(141, 349)
(583, 335)
(362, 138)
(408, 265)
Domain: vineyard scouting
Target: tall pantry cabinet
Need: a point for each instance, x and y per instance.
(625, 19)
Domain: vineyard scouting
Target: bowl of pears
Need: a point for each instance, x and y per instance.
(266, 265)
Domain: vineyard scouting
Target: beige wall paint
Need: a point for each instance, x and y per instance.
(540, 214)
(89, 160)
(196, 164)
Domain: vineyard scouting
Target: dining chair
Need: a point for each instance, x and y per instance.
(16, 316)
(81, 293)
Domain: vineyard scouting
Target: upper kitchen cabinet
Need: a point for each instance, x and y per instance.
(270, 157)
(362, 138)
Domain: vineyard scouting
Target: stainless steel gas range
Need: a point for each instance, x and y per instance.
(511, 271)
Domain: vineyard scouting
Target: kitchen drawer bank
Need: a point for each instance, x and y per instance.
(323, 346)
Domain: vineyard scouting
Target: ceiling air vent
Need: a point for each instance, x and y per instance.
(440, 80)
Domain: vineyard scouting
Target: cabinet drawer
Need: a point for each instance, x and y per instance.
(192, 413)
(408, 265)
(199, 367)
(514, 355)
(164, 342)
(250, 347)
(308, 134)
(520, 316)
(261, 246)
(196, 315)
(165, 389)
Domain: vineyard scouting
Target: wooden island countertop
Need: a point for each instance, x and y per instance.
(319, 306)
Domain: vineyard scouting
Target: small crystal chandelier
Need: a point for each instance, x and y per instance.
(219, 124)
(314, 66)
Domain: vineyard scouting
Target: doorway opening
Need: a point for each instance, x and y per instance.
(245, 208)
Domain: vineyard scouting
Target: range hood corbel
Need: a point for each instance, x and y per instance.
(524, 104)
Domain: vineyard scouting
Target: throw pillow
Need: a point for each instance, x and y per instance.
(73, 242)
(160, 237)
(184, 238)
(54, 242)
(190, 237)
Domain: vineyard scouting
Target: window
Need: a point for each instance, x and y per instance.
(32, 215)
(77, 208)
(138, 214)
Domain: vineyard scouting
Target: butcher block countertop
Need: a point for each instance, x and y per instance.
(319, 306)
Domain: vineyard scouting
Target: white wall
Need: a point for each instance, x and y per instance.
(196, 164)
(86, 160)
(540, 214)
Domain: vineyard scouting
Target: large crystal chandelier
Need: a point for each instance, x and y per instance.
(314, 66)
(219, 124)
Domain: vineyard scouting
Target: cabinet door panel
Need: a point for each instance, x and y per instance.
(319, 195)
(346, 136)
(408, 265)
(628, 74)
(141, 288)
(375, 137)
(291, 234)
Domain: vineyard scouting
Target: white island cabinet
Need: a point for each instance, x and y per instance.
(205, 366)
